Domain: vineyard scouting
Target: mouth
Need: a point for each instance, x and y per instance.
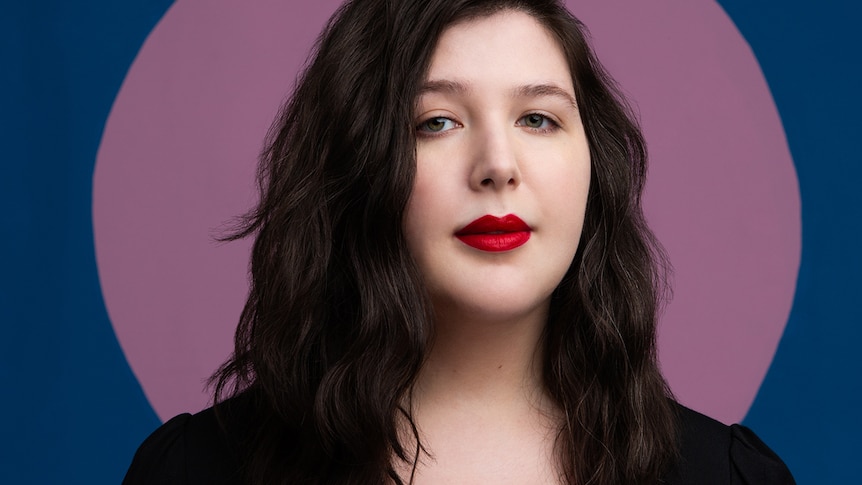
(495, 234)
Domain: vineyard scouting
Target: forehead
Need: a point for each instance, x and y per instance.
(509, 45)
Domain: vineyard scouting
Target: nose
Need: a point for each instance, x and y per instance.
(495, 161)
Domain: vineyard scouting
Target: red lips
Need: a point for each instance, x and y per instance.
(495, 234)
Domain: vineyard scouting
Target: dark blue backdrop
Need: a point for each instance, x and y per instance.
(71, 409)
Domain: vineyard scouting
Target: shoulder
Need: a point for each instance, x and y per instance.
(714, 453)
(191, 449)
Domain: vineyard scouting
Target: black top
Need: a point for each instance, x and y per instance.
(195, 449)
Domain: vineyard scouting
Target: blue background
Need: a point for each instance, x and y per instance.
(72, 412)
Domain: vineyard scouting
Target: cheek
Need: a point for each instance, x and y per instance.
(579, 191)
(434, 197)
(564, 186)
(564, 200)
(412, 216)
(412, 228)
(578, 197)
(425, 211)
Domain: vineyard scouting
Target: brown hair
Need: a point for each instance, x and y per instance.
(337, 323)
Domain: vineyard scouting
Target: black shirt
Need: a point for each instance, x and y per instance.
(198, 449)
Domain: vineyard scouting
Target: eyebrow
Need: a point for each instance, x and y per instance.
(444, 87)
(540, 90)
(526, 91)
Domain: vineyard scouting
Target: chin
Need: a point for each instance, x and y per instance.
(495, 306)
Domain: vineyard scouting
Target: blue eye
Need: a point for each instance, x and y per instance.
(536, 121)
(437, 124)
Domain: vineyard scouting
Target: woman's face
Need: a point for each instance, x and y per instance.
(503, 170)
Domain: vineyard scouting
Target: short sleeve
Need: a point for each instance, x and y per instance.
(190, 449)
(753, 463)
(161, 457)
(712, 453)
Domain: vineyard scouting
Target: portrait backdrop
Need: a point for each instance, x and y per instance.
(130, 135)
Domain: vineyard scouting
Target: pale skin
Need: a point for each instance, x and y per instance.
(498, 132)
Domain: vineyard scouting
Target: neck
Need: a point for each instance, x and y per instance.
(479, 402)
(484, 361)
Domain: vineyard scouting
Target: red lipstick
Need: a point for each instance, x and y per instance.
(495, 234)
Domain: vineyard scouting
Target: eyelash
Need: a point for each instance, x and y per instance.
(431, 133)
(551, 125)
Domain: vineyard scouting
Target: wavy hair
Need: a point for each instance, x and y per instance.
(337, 321)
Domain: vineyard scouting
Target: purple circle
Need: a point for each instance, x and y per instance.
(179, 152)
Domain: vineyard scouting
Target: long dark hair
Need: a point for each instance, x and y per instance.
(337, 321)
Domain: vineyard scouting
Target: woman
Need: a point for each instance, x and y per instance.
(452, 279)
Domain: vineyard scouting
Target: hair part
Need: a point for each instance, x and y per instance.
(337, 322)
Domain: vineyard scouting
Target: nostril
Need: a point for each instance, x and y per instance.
(487, 182)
